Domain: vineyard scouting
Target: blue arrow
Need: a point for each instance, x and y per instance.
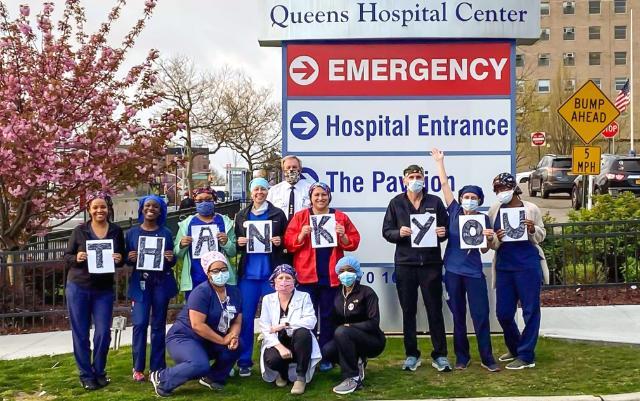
(304, 125)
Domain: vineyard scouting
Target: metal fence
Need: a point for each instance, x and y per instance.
(32, 280)
(593, 254)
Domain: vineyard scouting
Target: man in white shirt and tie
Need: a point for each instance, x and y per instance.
(292, 194)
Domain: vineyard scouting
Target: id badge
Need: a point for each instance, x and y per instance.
(288, 329)
(231, 309)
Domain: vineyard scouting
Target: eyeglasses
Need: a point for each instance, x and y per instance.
(216, 271)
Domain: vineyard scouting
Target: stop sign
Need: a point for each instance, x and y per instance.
(611, 130)
(538, 138)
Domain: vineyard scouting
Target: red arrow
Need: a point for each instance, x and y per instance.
(307, 69)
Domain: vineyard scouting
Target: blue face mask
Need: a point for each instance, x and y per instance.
(415, 185)
(347, 278)
(470, 205)
(219, 279)
(205, 208)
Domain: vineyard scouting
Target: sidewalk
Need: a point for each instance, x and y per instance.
(618, 324)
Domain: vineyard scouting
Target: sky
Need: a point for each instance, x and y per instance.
(213, 33)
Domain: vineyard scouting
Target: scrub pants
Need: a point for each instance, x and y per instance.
(322, 297)
(511, 287)
(301, 345)
(429, 280)
(86, 305)
(251, 292)
(153, 309)
(192, 358)
(460, 287)
(349, 344)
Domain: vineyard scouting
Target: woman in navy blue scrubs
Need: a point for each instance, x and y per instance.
(519, 270)
(90, 296)
(464, 277)
(207, 328)
(150, 291)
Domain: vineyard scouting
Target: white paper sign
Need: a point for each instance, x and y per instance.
(423, 230)
(150, 253)
(471, 227)
(259, 236)
(204, 240)
(100, 256)
(512, 222)
(323, 230)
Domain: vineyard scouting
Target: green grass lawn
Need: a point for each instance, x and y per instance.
(562, 368)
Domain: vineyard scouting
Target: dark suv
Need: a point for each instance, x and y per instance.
(617, 174)
(551, 175)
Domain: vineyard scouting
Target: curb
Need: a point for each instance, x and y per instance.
(612, 397)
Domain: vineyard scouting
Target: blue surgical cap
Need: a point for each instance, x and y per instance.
(349, 261)
(163, 209)
(258, 182)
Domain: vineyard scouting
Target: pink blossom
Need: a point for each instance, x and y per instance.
(24, 10)
(25, 28)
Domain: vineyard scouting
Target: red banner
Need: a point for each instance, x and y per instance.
(426, 69)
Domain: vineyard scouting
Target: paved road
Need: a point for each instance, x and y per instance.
(558, 205)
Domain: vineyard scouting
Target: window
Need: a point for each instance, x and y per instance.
(597, 82)
(568, 7)
(594, 32)
(569, 33)
(569, 59)
(569, 85)
(519, 60)
(545, 33)
(620, 31)
(620, 58)
(620, 83)
(543, 59)
(594, 7)
(544, 8)
(544, 86)
(620, 6)
(594, 58)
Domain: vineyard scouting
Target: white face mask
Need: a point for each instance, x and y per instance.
(505, 196)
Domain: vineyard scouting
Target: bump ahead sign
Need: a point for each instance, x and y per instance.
(286, 20)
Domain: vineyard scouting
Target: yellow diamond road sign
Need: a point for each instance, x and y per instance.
(588, 111)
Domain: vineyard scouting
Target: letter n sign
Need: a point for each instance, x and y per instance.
(259, 235)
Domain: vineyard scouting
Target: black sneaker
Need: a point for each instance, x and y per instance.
(154, 377)
(103, 381)
(205, 381)
(89, 384)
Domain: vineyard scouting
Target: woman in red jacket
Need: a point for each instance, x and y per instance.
(315, 267)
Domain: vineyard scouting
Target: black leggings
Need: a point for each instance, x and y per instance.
(300, 346)
(349, 344)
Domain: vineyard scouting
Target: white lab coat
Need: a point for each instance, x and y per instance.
(300, 314)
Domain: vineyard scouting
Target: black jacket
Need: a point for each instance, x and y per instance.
(359, 309)
(79, 271)
(397, 215)
(279, 225)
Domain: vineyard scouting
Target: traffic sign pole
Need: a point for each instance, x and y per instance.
(590, 200)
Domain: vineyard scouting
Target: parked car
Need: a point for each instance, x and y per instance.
(617, 174)
(551, 175)
(523, 177)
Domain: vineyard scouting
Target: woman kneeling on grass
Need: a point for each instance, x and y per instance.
(207, 328)
(358, 335)
(289, 350)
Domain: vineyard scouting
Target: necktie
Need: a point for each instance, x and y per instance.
(292, 197)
